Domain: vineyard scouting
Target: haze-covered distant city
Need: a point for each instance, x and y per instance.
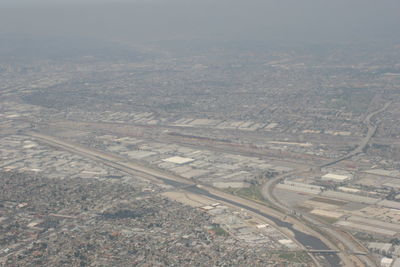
(199, 133)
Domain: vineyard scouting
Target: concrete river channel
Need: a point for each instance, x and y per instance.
(308, 241)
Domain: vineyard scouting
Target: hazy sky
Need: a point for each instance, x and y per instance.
(266, 20)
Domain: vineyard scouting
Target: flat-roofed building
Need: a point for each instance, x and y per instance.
(335, 177)
(178, 160)
(386, 262)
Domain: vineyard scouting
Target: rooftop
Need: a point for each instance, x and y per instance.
(178, 160)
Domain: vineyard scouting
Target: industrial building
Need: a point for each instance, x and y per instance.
(335, 177)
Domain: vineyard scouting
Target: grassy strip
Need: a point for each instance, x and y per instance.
(253, 192)
(295, 257)
(218, 230)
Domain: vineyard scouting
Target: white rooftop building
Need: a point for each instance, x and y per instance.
(386, 262)
(178, 160)
(335, 177)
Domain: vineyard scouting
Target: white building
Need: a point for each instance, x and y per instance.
(386, 262)
(178, 160)
(335, 177)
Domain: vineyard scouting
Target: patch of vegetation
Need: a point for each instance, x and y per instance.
(329, 220)
(253, 192)
(302, 208)
(298, 256)
(218, 230)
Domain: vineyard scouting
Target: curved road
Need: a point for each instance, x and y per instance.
(345, 244)
(364, 142)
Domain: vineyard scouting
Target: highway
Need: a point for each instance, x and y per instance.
(345, 241)
(303, 235)
(364, 142)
